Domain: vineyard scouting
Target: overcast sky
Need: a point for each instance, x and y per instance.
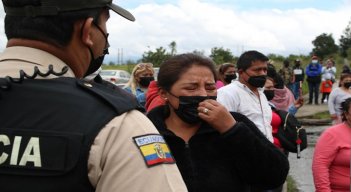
(269, 26)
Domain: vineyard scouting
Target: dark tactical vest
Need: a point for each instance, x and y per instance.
(47, 128)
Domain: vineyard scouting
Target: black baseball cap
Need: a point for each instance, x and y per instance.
(54, 7)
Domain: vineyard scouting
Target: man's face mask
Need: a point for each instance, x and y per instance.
(187, 109)
(269, 94)
(229, 78)
(347, 85)
(95, 64)
(314, 61)
(145, 81)
(257, 81)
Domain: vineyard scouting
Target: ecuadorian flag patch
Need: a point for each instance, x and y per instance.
(154, 149)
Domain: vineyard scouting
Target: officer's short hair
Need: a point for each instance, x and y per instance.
(52, 20)
(246, 59)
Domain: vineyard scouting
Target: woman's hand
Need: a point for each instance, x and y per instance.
(216, 115)
(299, 102)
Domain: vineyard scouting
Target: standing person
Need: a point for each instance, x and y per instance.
(328, 78)
(287, 74)
(142, 75)
(246, 95)
(329, 71)
(227, 73)
(337, 96)
(331, 158)
(59, 132)
(299, 74)
(326, 88)
(215, 150)
(313, 72)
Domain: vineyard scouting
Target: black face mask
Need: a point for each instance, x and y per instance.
(229, 78)
(145, 81)
(257, 81)
(347, 85)
(187, 109)
(269, 94)
(95, 64)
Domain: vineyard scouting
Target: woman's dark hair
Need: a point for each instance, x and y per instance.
(246, 59)
(345, 105)
(345, 69)
(271, 72)
(344, 76)
(174, 67)
(278, 82)
(56, 29)
(277, 79)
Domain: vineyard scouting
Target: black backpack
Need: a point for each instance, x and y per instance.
(291, 135)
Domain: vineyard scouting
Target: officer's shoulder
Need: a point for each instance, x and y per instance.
(112, 96)
(115, 96)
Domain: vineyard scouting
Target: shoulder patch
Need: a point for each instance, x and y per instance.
(154, 149)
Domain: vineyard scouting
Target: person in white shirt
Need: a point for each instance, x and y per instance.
(328, 71)
(246, 95)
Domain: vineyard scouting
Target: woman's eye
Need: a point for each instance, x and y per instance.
(190, 88)
(211, 87)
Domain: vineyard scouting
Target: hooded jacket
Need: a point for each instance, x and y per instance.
(237, 160)
(283, 98)
(153, 99)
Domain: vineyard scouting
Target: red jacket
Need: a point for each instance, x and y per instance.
(153, 99)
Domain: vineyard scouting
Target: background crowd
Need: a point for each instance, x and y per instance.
(197, 128)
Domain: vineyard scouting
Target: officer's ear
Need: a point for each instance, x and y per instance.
(87, 32)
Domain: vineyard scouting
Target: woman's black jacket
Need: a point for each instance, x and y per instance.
(237, 160)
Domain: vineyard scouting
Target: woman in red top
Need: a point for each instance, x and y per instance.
(276, 120)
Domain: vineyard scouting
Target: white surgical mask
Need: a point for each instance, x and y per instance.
(314, 61)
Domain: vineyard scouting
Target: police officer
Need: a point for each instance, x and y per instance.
(59, 132)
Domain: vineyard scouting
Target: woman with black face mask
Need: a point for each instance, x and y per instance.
(226, 74)
(215, 150)
(337, 96)
(275, 123)
(142, 75)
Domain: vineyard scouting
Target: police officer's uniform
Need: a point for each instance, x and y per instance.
(64, 134)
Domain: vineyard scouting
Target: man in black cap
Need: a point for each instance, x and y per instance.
(59, 132)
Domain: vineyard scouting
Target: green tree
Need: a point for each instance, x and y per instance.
(220, 55)
(324, 45)
(156, 57)
(345, 41)
(199, 52)
(173, 47)
(276, 57)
